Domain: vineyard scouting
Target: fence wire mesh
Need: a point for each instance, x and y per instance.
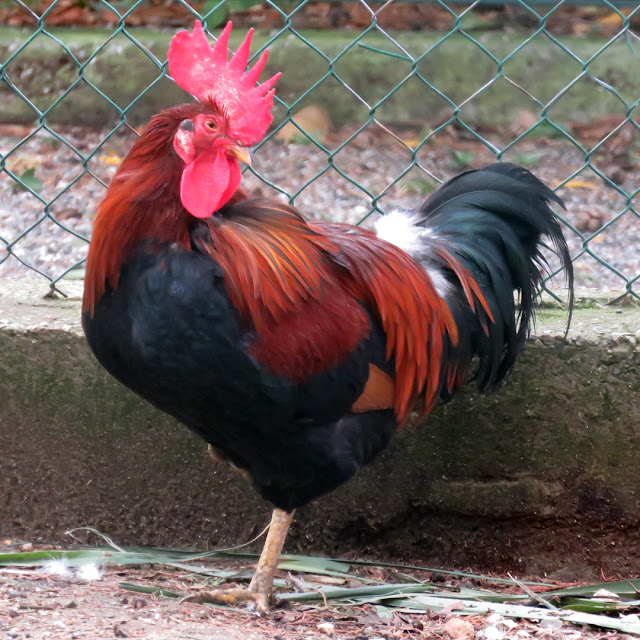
(367, 119)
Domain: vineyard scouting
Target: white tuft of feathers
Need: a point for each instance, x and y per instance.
(88, 572)
(56, 567)
(404, 231)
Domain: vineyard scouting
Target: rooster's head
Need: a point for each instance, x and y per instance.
(211, 143)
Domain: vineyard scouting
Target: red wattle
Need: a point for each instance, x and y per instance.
(208, 182)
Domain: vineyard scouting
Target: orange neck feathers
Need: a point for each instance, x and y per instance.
(273, 260)
(281, 279)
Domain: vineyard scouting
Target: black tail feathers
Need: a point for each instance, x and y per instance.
(495, 222)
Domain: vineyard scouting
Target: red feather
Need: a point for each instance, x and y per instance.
(282, 272)
(415, 318)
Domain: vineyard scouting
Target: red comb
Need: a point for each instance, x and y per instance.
(206, 72)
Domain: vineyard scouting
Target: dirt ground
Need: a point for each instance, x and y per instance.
(37, 604)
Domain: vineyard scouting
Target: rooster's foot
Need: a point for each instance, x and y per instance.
(259, 595)
(258, 602)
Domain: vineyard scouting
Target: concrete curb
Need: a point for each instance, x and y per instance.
(541, 477)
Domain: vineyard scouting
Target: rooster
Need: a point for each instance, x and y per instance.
(296, 348)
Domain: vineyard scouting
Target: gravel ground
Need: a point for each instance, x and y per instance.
(373, 159)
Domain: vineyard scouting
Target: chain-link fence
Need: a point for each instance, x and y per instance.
(370, 115)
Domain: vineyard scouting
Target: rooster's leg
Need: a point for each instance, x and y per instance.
(262, 582)
(260, 590)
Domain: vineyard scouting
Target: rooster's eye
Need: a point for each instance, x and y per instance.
(210, 124)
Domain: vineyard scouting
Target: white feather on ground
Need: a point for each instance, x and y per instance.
(88, 572)
(56, 568)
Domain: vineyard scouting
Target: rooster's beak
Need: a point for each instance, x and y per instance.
(242, 153)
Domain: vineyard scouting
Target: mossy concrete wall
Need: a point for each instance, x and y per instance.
(541, 477)
(455, 66)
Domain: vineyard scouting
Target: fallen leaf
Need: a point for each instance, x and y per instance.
(458, 629)
(603, 594)
(412, 142)
(29, 181)
(579, 184)
(324, 579)
(454, 606)
(613, 19)
(313, 119)
(110, 158)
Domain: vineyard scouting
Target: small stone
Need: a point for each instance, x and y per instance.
(326, 628)
(632, 618)
(458, 629)
(119, 632)
(551, 623)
